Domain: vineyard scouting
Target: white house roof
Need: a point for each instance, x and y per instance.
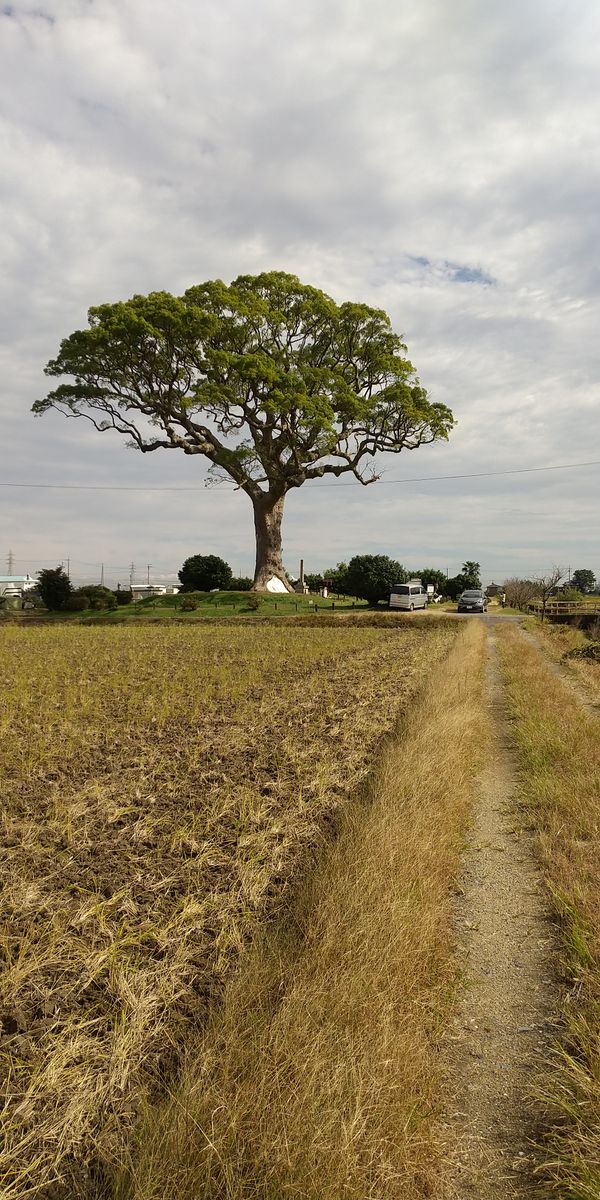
(17, 579)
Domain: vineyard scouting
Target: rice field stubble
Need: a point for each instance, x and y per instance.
(322, 1073)
(161, 791)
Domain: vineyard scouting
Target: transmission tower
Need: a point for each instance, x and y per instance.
(10, 562)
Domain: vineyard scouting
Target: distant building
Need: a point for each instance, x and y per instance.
(145, 591)
(16, 585)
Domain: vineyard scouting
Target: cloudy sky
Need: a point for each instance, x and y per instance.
(440, 160)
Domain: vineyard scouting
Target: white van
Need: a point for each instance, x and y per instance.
(408, 595)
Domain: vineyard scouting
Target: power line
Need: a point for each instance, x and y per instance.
(102, 487)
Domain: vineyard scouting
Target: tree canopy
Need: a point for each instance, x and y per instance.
(471, 573)
(583, 580)
(204, 572)
(268, 379)
(54, 587)
(468, 577)
(372, 576)
(435, 576)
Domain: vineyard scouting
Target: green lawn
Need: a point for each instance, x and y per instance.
(225, 604)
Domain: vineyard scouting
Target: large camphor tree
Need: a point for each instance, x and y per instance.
(267, 378)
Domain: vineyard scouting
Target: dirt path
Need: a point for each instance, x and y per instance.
(504, 1022)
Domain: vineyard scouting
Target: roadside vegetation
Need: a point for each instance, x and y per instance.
(577, 650)
(321, 1074)
(559, 746)
(163, 791)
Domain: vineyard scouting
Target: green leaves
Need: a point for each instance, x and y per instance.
(268, 378)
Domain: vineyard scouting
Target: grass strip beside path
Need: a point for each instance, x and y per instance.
(321, 1076)
(559, 747)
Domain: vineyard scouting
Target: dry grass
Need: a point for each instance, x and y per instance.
(321, 1077)
(161, 790)
(560, 642)
(559, 745)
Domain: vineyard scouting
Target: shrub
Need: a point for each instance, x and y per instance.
(253, 603)
(242, 584)
(124, 597)
(93, 592)
(570, 593)
(76, 604)
(189, 604)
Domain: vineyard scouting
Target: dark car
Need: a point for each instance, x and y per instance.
(473, 600)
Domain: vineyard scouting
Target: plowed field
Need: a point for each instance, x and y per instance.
(161, 789)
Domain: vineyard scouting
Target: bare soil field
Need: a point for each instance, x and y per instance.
(162, 790)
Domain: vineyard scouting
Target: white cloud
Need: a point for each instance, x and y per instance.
(438, 160)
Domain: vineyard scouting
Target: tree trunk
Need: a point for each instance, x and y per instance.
(268, 515)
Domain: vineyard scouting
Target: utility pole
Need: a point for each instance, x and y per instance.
(68, 568)
(569, 573)
(131, 575)
(102, 575)
(10, 561)
(148, 565)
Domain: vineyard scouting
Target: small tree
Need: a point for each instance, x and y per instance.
(189, 604)
(520, 592)
(203, 572)
(583, 581)
(546, 586)
(268, 379)
(54, 587)
(372, 576)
